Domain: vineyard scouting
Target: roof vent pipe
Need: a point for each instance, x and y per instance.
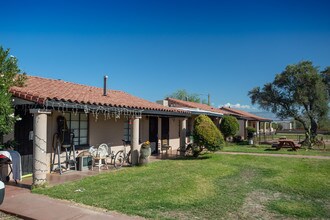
(105, 86)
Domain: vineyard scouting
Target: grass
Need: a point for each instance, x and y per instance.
(4, 216)
(296, 208)
(213, 186)
(269, 150)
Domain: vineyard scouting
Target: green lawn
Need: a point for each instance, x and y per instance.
(214, 186)
(269, 150)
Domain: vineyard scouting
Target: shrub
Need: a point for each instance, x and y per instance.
(280, 127)
(229, 126)
(207, 134)
(275, 126)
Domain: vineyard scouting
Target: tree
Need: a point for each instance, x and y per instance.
(9, 76)
(229, 126)
(299, 92)
(182, 94)
(206, 134)
(275, 126)
(326, 78)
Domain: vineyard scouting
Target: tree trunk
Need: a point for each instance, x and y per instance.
(307, 140)
(314, 126)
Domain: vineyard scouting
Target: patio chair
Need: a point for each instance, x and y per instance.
(166, 148)
(99, 156)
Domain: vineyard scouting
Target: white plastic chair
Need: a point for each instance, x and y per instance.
(99, 156)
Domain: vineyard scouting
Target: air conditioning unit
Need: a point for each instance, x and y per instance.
(84, 163)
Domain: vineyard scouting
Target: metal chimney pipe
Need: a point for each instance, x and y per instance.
(105, 86)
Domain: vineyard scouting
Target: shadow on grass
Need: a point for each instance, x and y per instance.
(271, 149)
(274, 149)
(201, 157)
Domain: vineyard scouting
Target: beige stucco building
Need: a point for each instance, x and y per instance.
(94, 116)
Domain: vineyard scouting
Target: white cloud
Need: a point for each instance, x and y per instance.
(238, 105)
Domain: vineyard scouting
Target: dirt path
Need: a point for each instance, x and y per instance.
(278, 155)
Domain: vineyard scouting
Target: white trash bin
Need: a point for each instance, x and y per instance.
(2, 192)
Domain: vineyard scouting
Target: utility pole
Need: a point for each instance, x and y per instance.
(208, 99)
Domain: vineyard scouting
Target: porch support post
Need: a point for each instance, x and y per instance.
(265, 127)
(245, 131)
(258, 127)
(135, 141)
(271, 127)
(39, 146)
(183, 132)
(159, 134)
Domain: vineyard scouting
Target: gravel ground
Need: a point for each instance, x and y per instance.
(4, 216)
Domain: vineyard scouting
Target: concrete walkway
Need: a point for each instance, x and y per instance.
(278, 155)
(20, 202)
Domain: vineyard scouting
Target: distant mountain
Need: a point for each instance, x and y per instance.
(268, 115)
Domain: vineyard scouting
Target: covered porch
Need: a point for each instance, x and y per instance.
(58, 115)
(93, 125)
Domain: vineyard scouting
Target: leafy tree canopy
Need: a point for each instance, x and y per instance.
(299, 92)
(326, 78)
(9, 76)
(229, 126)
(182, 94)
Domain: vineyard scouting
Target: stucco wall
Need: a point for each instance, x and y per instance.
(108, 131)
(174, 131)
(8, 137)
(241, 131)
(144, 129)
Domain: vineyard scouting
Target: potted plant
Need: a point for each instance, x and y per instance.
(250, 134)
(145, 152)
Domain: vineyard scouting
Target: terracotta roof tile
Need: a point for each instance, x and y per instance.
(245, 114)
(180, 103)
(39, 90)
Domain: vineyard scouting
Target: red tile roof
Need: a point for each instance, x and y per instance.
(244, 114)
(39, 90)
(180, 103)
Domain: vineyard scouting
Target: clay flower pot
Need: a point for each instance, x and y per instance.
(145, 152)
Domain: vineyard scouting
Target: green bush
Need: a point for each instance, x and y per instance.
(206, 134)
(275, 126)
(229, 126)
(279, 127)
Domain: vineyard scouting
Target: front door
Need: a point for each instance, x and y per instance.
(22, 131)
(153, 134)
(165, 130)
(22, 137)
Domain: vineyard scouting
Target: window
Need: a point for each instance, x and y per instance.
(127, 130)
(78, 122)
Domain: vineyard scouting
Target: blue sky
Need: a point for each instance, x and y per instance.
(153, 48)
